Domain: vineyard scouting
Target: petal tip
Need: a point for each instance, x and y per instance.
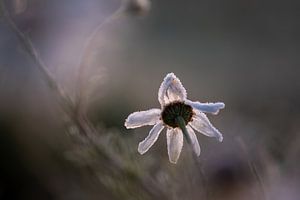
(198, 152)
(215, 113)
(173, 162)
(171, 74)
(142, 152)
(127, 124)
(170, 77)
(220, 138)
(171, 89)
(221, 105)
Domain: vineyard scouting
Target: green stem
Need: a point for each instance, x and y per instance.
(181, 123)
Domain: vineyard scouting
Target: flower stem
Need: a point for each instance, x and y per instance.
(181, 123)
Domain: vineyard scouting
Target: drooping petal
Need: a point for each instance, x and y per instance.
(171, 90)
(142, 118)
(194, 141)
(202, 124)
(175, 143)
(212, 108)
(145, 145)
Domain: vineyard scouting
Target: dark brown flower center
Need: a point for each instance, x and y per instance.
(174, 110)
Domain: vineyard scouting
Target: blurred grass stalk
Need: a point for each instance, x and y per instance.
(69, 104)
(252, 167)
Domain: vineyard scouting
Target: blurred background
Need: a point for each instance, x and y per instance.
(241, 52)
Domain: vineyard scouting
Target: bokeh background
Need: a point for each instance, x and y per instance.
(244, 53)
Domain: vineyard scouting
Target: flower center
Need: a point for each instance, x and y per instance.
(174, 110)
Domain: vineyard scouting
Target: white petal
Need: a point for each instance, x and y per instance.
(194, 141)
(143, 118)
(201, 124)
(174, 142)
(145, 145)
(212, 108)
(171, 90)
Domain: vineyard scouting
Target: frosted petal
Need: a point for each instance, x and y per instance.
(142, 118)
(175, 143)
(171, 90)
(145, 145)
(212, 108)
(194, 141)
(202, 124)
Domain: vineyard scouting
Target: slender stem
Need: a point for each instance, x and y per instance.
(181, 123)
(86, 52)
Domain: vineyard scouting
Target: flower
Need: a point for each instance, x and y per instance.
(179, 115)
(138, 7)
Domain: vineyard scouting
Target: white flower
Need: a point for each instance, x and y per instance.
(179, 115)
